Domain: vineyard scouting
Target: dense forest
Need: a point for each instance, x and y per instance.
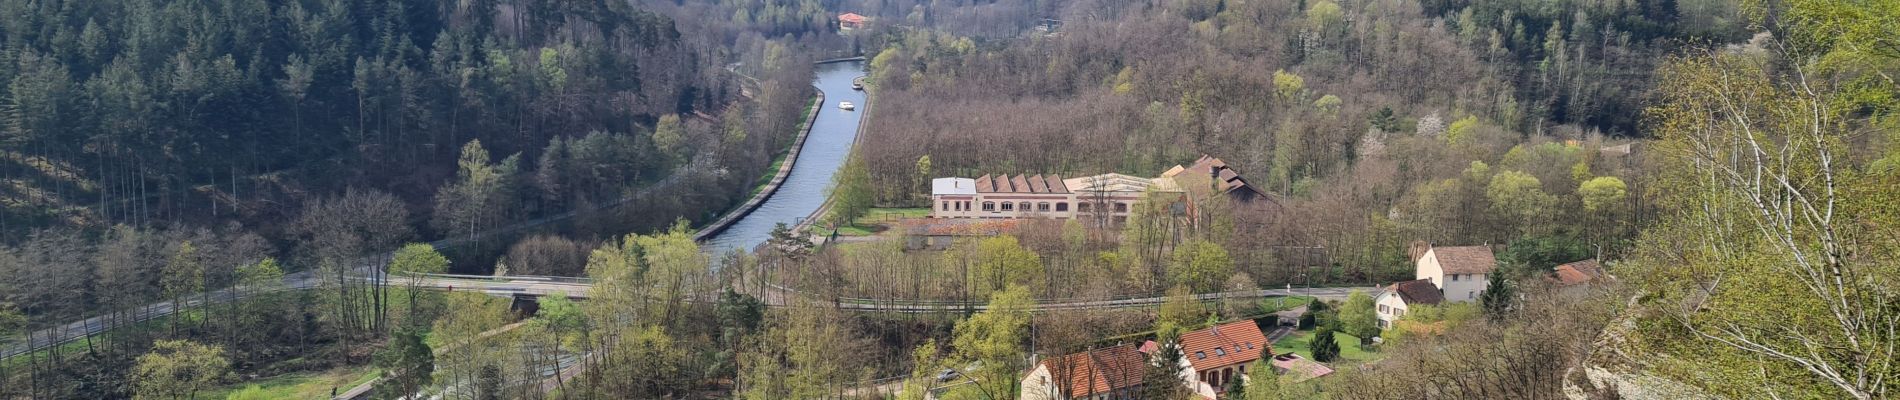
(1318, 102)
(155, 113)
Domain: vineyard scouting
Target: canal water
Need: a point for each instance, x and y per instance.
(825, 150)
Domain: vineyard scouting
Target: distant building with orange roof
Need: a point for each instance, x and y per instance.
(850, 21)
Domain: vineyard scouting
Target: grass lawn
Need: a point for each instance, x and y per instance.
(1283, 303)
(299, 385)
(1349, 350)
(779, 160)
(878, 220)
(770, 172)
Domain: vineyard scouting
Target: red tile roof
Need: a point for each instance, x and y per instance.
(851, 17)
(1223, 345)
(1577, 273)
(1466, 259)
(1099, 371)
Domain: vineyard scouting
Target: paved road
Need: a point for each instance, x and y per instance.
(577, 288)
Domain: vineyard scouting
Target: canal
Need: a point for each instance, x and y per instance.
(825, 150)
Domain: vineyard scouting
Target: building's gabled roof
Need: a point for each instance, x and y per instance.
(1099, 371)
(1419, 291)
(1108, 183)
(1577, 273)
(952, 186)
(1223, 345)
(851, 17)
(1039, 184)
(1466, 259)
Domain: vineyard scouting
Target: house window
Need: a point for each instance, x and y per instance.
(1121, 207)
(966, 207)
(946, 206)
(1200, 355)
(1384, 309)
(1398, 312)
(1023, 206)
(991, 205)
(1454, 277)
(1083, 207)
(1220, 351)
(1471, 294)
(1043, 207)
(1008, 206)
(1060, 207)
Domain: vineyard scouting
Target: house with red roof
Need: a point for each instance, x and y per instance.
(849, 21)
(1213, 358)
(1105, 373)
(1577, 276)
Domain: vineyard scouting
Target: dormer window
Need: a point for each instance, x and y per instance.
(1200, 355)
(1219, 352)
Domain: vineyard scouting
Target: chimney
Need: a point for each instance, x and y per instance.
(1213, 177)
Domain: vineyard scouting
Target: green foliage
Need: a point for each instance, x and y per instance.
(1499, 297)
(1520, 197)
(1460, 131)
(1328, 105)
(1325, 348)
(923, 375)
(1357, 316)
(481, 197)
(1181, 310)
(407, 364)
(1288, 86)
(1201, 265)
(993, 340)
(670, 137)
(418, 258)
(1535, 256)
(178, 369)
(1602, 193)
(1262, 382)
(408, 264)
(1748, 282)
(1162, 380)
(999, 262)
(851, 192)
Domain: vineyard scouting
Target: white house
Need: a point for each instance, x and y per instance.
(1395, 300)
(1460, 273)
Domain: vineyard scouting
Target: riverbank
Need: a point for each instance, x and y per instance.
(759, 196)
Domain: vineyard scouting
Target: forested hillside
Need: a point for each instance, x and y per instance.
(152, 112)
(1381, 122)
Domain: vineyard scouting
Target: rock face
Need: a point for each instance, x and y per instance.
(1611, 373)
